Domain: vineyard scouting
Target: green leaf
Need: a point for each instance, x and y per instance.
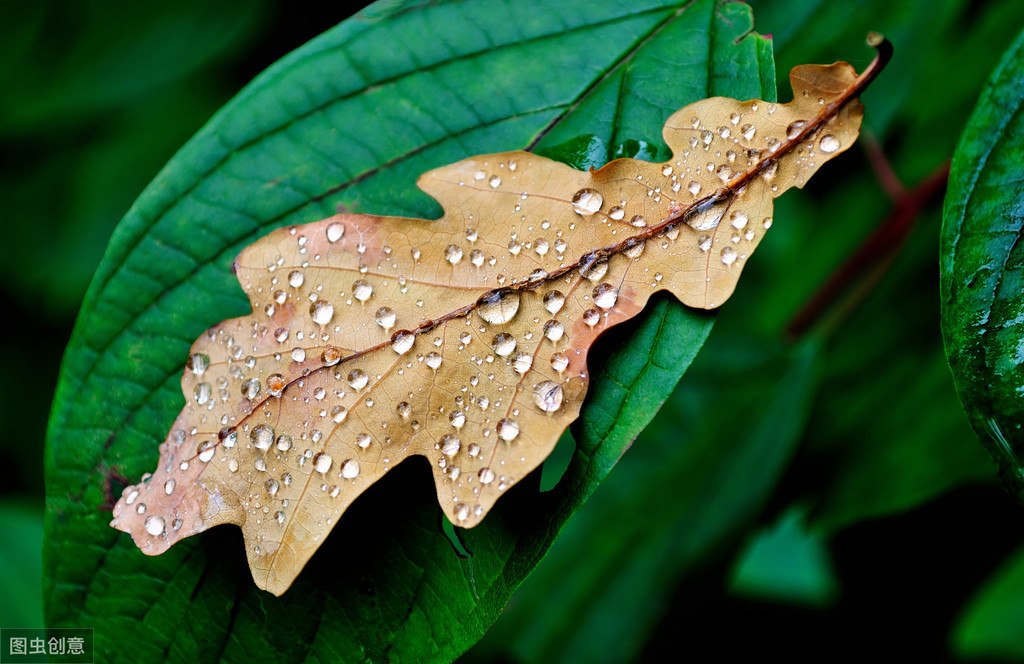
(989, 627)
(350, 120)
(684, 493)
(982, 266)
(21, 571)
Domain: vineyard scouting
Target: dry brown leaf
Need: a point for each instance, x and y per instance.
(463, 339)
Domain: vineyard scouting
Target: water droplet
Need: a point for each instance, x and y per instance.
(284, 442)
(335, 232)
(198, 363)
(155, 525)
(704, 243)
(828, 143)
(233, 465)
(586, 202)
(279, 516)
(272, 486)
(666, 170)
(548, 396)
(499, 307)
(450, 445)
(457, 418)
(471, 234)
(553, 330)
(206, 450)
(453, 253)
(728, 255)
(507, 429)
(402, 342)
(350, 469)
(176, 524)
(591, 317)
(486, 476)
(706, 137)
(432, 360)
(638, 220)
(605, 296)
(522, 363)
(503, 344)
(322, 462)
(169, 487)
(251, 388)
(202, 393)
(559, 362)
(322, 312)
(363, 440)
(357, 379)
(262, 437)
(362, 290)
(794, 129)
(617, 213)
(767, 223)
(476, 257)
(554, 301)
(461, 512)
(403, 409)
(738, 220)
(593, 270)
(386, 318)
(495, 182)
(541, 246)
(747, 131)
(338, 414)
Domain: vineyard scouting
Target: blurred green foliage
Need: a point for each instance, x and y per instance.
(867, 438)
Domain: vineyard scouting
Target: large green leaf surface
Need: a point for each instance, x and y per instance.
(350, 120)
(982, 264)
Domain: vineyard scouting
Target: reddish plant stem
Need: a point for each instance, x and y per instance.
(871, 259)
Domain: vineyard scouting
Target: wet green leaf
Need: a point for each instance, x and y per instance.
(350, 120)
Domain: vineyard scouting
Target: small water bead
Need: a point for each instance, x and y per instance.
(251, 388)
(738, 220)
(473, 450)
(638, 220)
(281, 335)
(331, 356)
(553, 330)
(322, 312)
(176, 524)
(548, 396)
(666, 170)
(322, 462)
(828, 143)
(338, 414)
(262, 437)
(507, 429)
(357, 379)
(461, 512)
(279, 516)
(541, 246)
(693, 187)
(363, 440)
(350, 469)
(450, 445)
(471, 234)
(362, 290)
(155, 525)
(495, 182)
(586, 202)
(747, 131)
(284, 442)
(272, 486)
(198, 363)
(335, 232)
(767, 223)
(403, 409)
(457, 419)
(605, 296)
(233, 465)
(634, 248)
(141, 509)
(275, 384)
(386, 318)
(402, 342)
(704, 243)
(561, 246)
(594, 270)
(522, 363)
(206, 450)
(453, 253)
(465, 338)
(486, 475)
(499, 307)
(728, 255)
(554, 301)
(794, 129)
(503, 344)
(617, 213)
(169, 487)
(476, 257)
(432, 360)
(706, 137)
(559, 362)
(295, 278)
(202, 393)
(591, 317)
